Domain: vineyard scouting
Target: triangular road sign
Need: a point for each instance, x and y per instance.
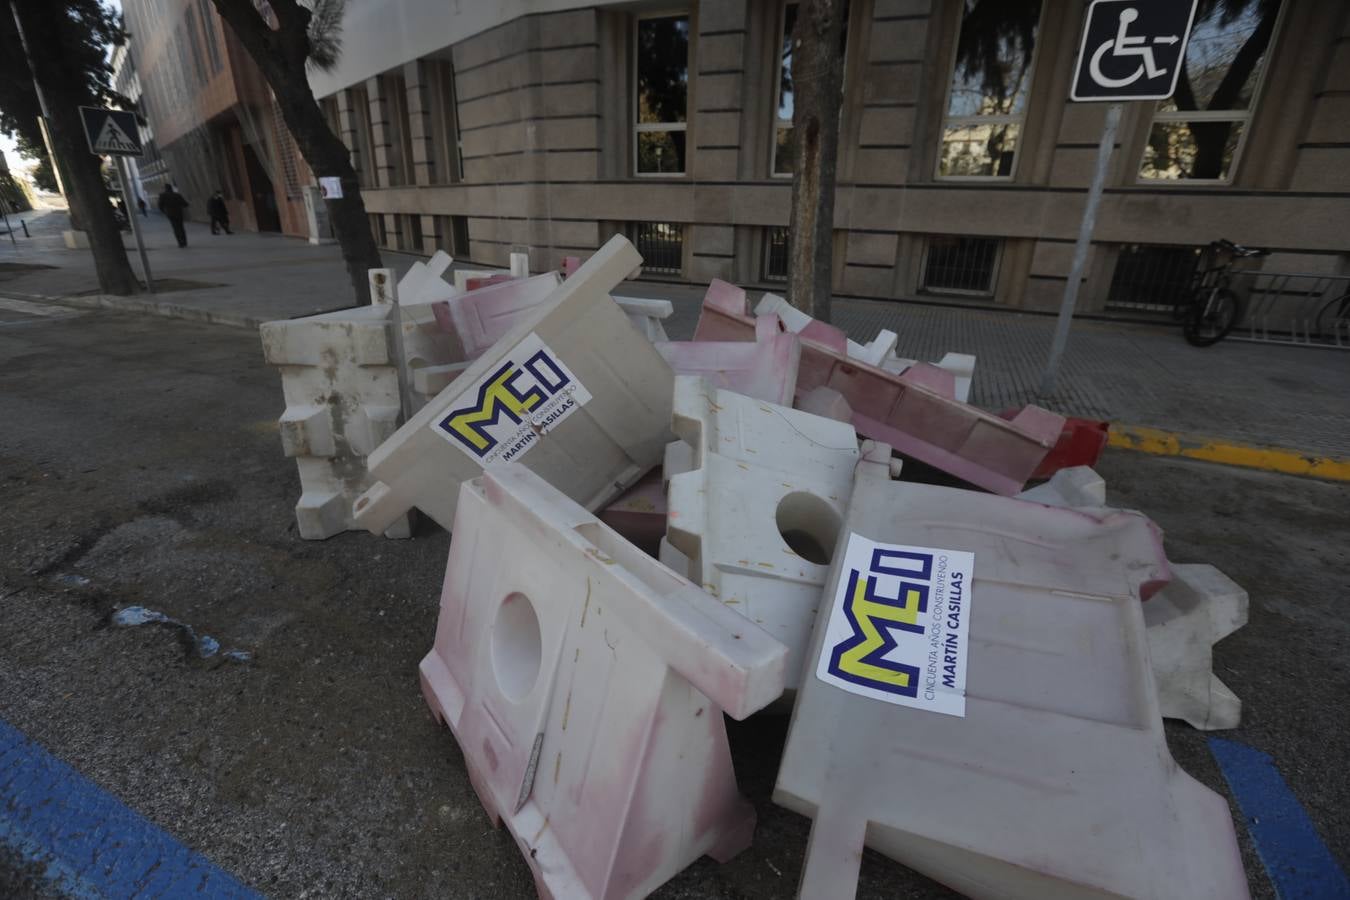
(113, 139)
(111, 131)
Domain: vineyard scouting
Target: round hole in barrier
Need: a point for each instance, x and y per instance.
(516, 646)
(809, 526)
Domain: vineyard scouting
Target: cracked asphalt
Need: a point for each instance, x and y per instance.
(141, 466)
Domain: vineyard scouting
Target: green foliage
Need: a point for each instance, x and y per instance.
(79, 32)
(325, 33)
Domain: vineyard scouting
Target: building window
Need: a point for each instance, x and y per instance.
(662, 65)
(195, 50)
(776, 254)
(363, 139)
(209, 31)
(661, 245)
(452, 235)
(991, 80)
(782, 124)
(959, 264)
(377, 229)
(290, 173)
(409, 234)
(1152, 277)
(447, 156)
(397, 129)
(1196, 134)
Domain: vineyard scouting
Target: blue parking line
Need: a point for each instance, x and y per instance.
(88, 844)
(1299, 865)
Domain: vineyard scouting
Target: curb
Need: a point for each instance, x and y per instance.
(140, 305)
(1210, 449)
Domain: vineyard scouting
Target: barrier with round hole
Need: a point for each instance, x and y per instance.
(585, 683)
(758, 514)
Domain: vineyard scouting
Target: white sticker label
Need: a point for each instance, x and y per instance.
(899, 626)
(504, 413)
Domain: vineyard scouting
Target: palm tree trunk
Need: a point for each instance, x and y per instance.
(281, 55)
(817, 65)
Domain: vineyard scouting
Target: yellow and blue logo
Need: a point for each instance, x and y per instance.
(899, 625)
(864, 657)
(528, 393)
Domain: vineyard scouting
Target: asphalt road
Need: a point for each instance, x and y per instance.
(141, 466)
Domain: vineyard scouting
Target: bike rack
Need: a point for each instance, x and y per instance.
(1282, 308)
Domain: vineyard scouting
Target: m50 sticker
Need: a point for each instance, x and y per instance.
(899, 625)
(528, 393)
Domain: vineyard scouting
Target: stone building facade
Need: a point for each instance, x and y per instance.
(546, 126)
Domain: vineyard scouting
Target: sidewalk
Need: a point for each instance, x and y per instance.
(1131, 375)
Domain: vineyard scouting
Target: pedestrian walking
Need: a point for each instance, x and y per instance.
(220, 215)
(173, 205)
(140, 201)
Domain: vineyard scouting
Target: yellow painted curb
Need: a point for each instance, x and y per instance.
(1270, 459)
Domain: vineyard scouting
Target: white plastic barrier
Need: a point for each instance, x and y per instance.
(647, 314)
(1075, 486)
(1196, 610)
(422, 276)
(585, 683)
(1200, 607)
(980, 707)
(572, 392)
(759, 513)
(340, 380)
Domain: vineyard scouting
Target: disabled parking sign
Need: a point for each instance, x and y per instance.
(1132, 49)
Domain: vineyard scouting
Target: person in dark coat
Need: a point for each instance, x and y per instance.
(173, 205)
(140, 201)
(220, 215)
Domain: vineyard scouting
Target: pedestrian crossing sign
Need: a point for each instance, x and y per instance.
(111, 132)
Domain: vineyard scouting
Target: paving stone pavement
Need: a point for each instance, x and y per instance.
(1292, 397)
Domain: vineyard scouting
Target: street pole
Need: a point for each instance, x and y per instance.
(129, 204)
(1080, 250)
(5, 212)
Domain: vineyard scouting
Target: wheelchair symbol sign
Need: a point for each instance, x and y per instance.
(1132, 49)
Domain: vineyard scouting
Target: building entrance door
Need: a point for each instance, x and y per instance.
(263, 196)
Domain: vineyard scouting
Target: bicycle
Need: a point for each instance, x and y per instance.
(1334, 318)
(1212, 309)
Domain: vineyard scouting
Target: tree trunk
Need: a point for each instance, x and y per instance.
(817, 65)
(80, 170)
(281, 55)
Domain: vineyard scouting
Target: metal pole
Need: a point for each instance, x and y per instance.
(1080, 250)
(129, 205)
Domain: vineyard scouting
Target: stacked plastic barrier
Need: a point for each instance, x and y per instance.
(650, 533)
(339, 376)
(571, 391)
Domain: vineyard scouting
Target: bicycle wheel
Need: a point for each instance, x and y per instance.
(1209, 322)
(1334, 318)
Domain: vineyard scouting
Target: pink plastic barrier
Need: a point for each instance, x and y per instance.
(905, 411)
(481, 317)
(765, 370)
(585, 684)
(473, 284)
